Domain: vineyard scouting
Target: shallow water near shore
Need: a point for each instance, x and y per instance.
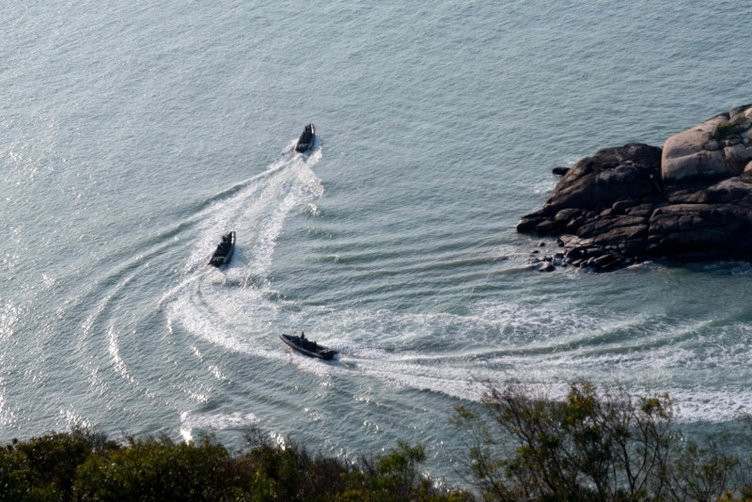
(133, 137)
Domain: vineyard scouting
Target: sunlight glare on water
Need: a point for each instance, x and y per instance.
(135, 136)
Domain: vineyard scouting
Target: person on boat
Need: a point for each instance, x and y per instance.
(302, 335)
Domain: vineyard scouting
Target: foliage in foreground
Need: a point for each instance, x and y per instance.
(592, 446)
(86, 467)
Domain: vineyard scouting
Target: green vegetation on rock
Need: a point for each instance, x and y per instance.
(730, 128)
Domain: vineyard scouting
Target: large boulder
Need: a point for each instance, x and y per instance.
(715, 149)
(635, 202)
(619, 177)
(715, 230)
(628, 172)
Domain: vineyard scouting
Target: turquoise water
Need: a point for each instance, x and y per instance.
(134, 135)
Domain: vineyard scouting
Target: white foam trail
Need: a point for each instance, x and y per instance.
(214, 421)
(544, 345)
(257, 213)
(114, 350)
(231, 307)
(711, 405)
(112, 337)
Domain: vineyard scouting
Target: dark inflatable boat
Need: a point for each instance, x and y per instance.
(305, 141)
(308, 347)
(224, 250)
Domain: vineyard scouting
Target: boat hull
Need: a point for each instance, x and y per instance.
(223, 254)
(308, 347)
(305, 141)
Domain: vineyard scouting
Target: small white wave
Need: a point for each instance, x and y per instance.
(215, 370)
(73, 420)
(114, 350)
(190, 421)
(711, 405)
(9, 316)
(311, 209)
(543, 187)
(7, 415)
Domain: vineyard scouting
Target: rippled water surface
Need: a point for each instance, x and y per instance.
(132, 136)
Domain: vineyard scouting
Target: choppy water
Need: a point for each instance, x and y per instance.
(133, 135)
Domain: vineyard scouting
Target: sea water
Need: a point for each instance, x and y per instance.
(134, 134)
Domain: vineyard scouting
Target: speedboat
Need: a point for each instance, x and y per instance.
(224, 250)
(308, 347)
(305, 141)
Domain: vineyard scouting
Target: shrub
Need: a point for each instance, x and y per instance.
(395, 477)
(590, 446)
(86, 467)
(157, 469)
(16, 477)
(52, 460)
(289, 473)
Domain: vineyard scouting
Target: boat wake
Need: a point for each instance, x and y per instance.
(238, 310)
(231, 308)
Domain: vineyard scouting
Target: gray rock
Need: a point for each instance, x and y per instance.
(574, 225)
(606, 262)
(566, 215)
(696, 229)
(645, 209)
(737, 155)
(685, 159)
(547, 227)
(528, 223)
(621, 206)
(745, 110)
(712, 145)
(606, 224)
(633, 203)
(546, 267)
(612, 174)
(583, 253)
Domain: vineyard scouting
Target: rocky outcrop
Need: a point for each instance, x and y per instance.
(690, 199)
(716, 149)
